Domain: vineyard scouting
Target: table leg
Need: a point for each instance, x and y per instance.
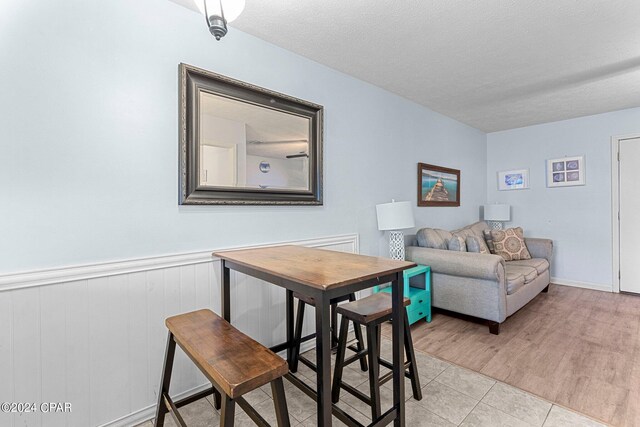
(225, 302)
(323, 360)
(398, 313)
(226, 293)
(289, 320)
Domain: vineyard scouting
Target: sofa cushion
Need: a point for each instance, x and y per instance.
(518, 276)
(540, 264)
(515, 281)
(457, 243)
(476, 244)
(474, 229)
(489, 241)
(433, 238)
(509, 244)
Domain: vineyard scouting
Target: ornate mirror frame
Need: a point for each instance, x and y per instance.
(194, 81)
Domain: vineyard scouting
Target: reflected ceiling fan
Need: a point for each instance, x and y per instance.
(296, 156)
(281, 141)
(284, 141)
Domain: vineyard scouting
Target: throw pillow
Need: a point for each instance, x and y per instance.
(456, 243)
(476, 244)
(509, 244)
(433, 238)
(489, 241)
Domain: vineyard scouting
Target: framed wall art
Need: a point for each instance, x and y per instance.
(565, 172)
(438, 186)
(517, 179)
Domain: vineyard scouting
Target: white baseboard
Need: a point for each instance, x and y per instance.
(149, 412)
(586, 285)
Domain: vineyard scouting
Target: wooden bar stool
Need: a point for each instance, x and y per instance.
(371, 312)
(234, 363)
(297, 334)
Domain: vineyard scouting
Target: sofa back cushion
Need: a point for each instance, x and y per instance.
(457, 243)
(489, 241)
(474, 230)
(509, 244)
(476, 244)
(433, 238)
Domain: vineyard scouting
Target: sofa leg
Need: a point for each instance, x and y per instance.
(545, 290)
(494, 328)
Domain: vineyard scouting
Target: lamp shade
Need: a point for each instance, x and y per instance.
(395, 216)
(497, 212)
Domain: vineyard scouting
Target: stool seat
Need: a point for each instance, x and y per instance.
(226, 356)
(369, 309)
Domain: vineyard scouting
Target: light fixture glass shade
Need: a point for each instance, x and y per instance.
(395, 216)
(497, 212)
(232, 8)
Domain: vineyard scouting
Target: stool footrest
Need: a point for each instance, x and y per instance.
(261, 422)
(386, 377)
(173, 410)
(354, 358)
(355, 392)
(307, 362)
(190, 399)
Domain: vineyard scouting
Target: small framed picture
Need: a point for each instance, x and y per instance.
(565, 172)
(517, 179)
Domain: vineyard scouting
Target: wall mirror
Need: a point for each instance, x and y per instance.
(242, 144)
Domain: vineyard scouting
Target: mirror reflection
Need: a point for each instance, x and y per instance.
(251, 146)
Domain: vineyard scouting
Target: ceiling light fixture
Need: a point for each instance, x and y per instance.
(218, 13)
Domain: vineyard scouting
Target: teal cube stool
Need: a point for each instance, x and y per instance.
(420, 306)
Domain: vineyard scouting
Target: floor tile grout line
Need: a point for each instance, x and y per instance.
(470, 412)
(547, 416)
(473, 372)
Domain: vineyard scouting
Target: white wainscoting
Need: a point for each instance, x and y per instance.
(94, 335)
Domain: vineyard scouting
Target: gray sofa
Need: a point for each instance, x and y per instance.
(483, 286)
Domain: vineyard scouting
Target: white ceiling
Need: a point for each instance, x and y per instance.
(493, 64)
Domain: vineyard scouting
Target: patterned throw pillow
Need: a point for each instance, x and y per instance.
(509, 244)
(456, 243)
(476, 244)
(489, 241)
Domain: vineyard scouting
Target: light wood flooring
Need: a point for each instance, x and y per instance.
(575, 347)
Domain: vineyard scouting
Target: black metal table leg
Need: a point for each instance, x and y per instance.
(398, 313)
(225, 302)
(323, 360)
(225, 299)
(289, 321)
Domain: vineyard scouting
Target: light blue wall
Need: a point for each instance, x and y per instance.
(89, 138)
(578, 219)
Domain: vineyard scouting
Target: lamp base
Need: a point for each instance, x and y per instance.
(496, 225)
(396, 245)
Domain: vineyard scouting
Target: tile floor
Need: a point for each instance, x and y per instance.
(452, 396)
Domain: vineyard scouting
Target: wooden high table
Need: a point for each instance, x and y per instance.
(324, 275)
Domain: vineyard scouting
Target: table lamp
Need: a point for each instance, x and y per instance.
(393, 217)
(496, 214)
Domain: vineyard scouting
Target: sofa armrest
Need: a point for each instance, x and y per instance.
(539, 248)
(465, 264)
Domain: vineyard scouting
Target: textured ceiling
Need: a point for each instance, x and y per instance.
(493, 64)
